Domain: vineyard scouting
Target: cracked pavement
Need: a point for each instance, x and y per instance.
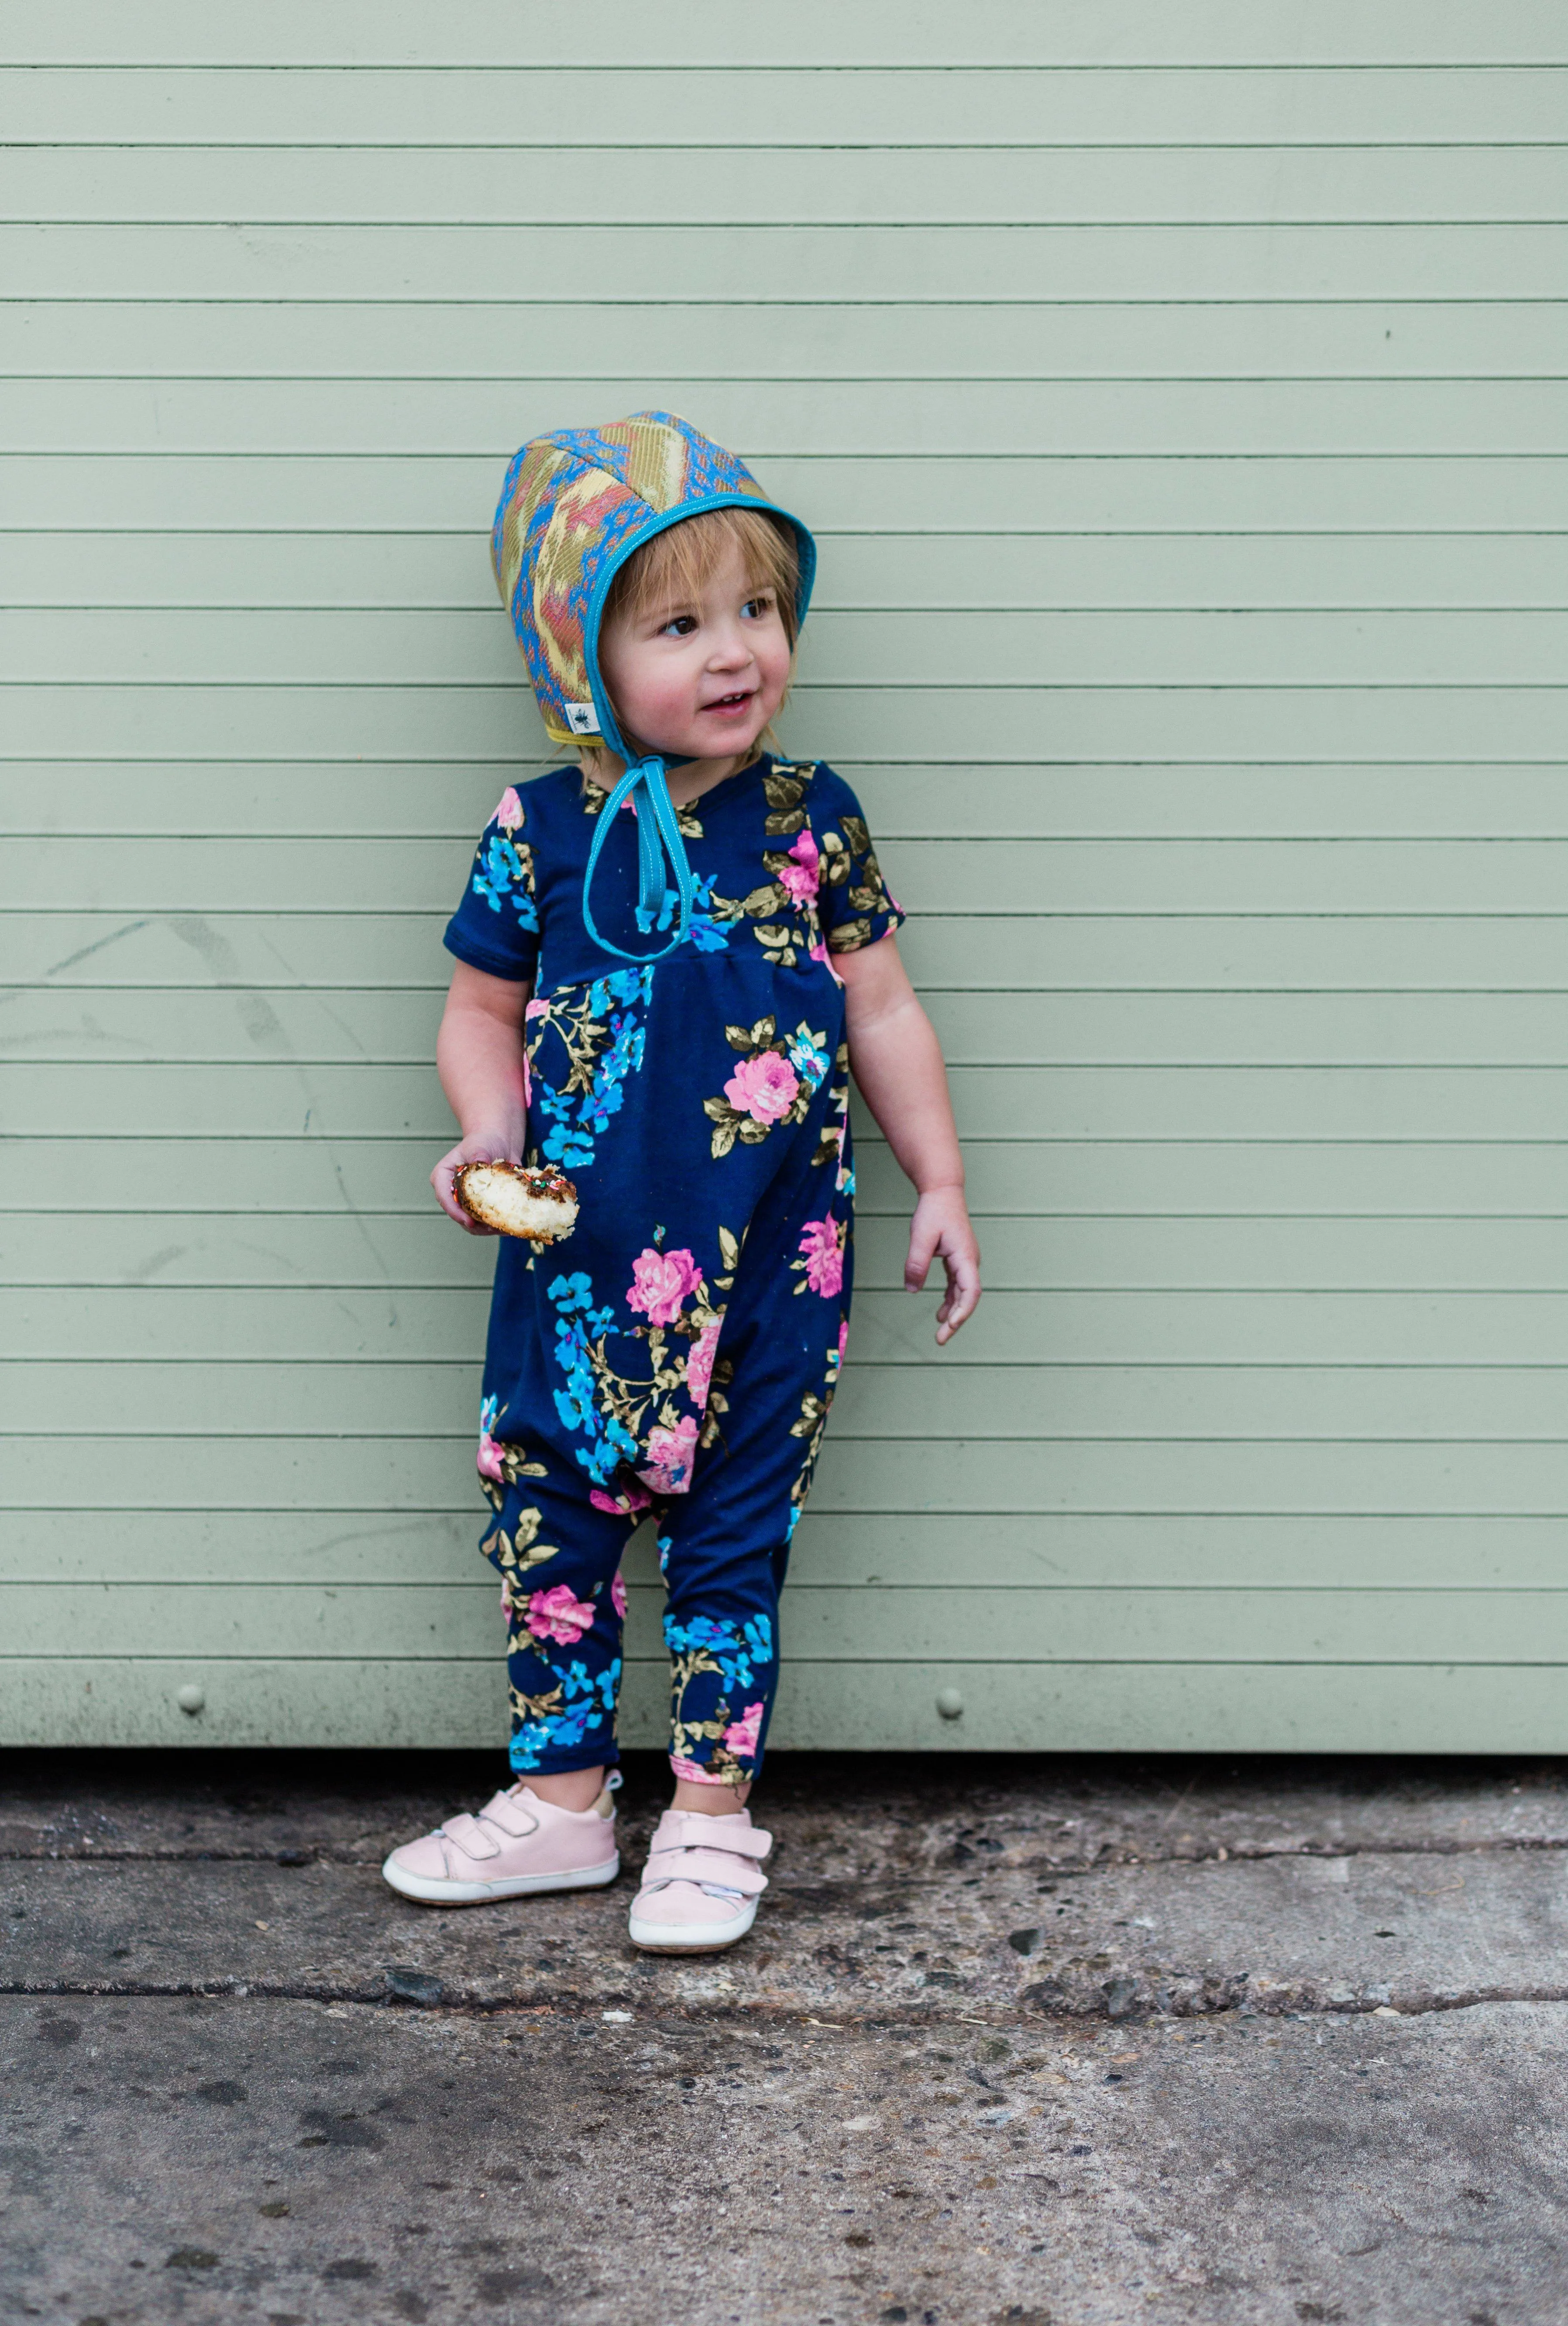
(1028, 2040)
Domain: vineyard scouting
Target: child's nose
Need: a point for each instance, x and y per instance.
(730, 648)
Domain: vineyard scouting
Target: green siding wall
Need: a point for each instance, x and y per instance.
(1178, 398)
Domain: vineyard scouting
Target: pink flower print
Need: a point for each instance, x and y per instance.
(618, 1595)
(510, 814)
(824, 1258)
(660, 1282)
(625, 1505)
(818, 952)
(742, 1736)
(489, 1458)
(536, 1008)
(692, 1772)
(699, 1366)
(762, 1086)
(669, 1457)
(558, 1615)
(801, 876)
(843, 1338)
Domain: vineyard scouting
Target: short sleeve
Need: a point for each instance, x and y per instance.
(496, 927)
(854, 903)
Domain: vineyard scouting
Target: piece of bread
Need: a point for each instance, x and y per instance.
(539, 1205)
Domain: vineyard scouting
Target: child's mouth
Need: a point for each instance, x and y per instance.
(730, 703)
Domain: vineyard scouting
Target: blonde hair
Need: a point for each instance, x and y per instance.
(677, 565)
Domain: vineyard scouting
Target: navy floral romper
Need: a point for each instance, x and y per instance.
(679, 1353)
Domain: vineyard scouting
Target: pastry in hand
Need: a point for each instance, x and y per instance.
(538, 1203)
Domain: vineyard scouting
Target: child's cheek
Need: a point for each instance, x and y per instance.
(658, 704)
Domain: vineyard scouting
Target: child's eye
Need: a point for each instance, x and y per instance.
(759, 606)
(679, 626)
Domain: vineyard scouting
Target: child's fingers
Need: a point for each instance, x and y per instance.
(440, 1179)
(922, 1244)
(962, 1295)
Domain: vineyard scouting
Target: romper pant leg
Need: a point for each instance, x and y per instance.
(557, 1543)
(724, 1546)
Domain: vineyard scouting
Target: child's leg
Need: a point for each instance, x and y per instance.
(723, 1556)
(559, 1551)
(724, 1549)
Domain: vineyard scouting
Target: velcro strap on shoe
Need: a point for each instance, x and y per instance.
(681, 1828)
(509, 1813)
(690, 1862)
(467, 1834)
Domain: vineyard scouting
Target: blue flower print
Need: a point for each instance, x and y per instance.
(614, 1051)
(502, 873)
(706, 934)
(808, 1058)
(734, 1648)
(577, 1326)
(587, 1701)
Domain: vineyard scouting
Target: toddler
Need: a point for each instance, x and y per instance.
(671, 958)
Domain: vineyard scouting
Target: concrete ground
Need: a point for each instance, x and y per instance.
(1033, 2041)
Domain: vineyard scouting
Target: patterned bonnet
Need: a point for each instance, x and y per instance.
(575, 507)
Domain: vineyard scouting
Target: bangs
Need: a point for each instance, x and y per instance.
(678, 564)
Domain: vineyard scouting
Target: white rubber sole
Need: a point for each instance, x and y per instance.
(428, 1890)
(691, 1938)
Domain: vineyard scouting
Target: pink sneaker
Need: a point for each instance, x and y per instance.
(702, 1883)
(516, 1845)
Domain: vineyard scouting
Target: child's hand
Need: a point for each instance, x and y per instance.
(478, 1147)
(941, 1229)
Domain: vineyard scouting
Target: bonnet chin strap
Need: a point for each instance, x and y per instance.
(658, 837)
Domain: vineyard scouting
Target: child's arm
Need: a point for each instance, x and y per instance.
(896, 1060)
(480, 1059)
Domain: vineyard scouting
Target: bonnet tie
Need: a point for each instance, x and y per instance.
(658, 838)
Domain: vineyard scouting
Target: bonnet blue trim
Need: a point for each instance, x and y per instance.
(644, 781)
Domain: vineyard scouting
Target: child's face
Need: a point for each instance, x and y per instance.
(699, 678)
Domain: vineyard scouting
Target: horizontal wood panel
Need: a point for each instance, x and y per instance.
(271, 1100)
(1111, 1552)
(1295, 492)
(1516, 260)
(967, 1480)
(482, 417)
(976, 1626)
(866, 188)
(427, 1252)
(410, 800)
(1059, 950)
(1163, 647)
(525, 104)
(1272, 1706)
(916, 1401)
(400, 34)
(1178, 1328)
(228, 1026)
(199, 574)
(1102, 875)
(826, 720)
(1468, 1176)
(684, 347)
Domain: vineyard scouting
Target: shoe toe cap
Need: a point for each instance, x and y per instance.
(681, 1905)
(426, 1858)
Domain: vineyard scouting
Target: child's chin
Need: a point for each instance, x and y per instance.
(726, 742)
